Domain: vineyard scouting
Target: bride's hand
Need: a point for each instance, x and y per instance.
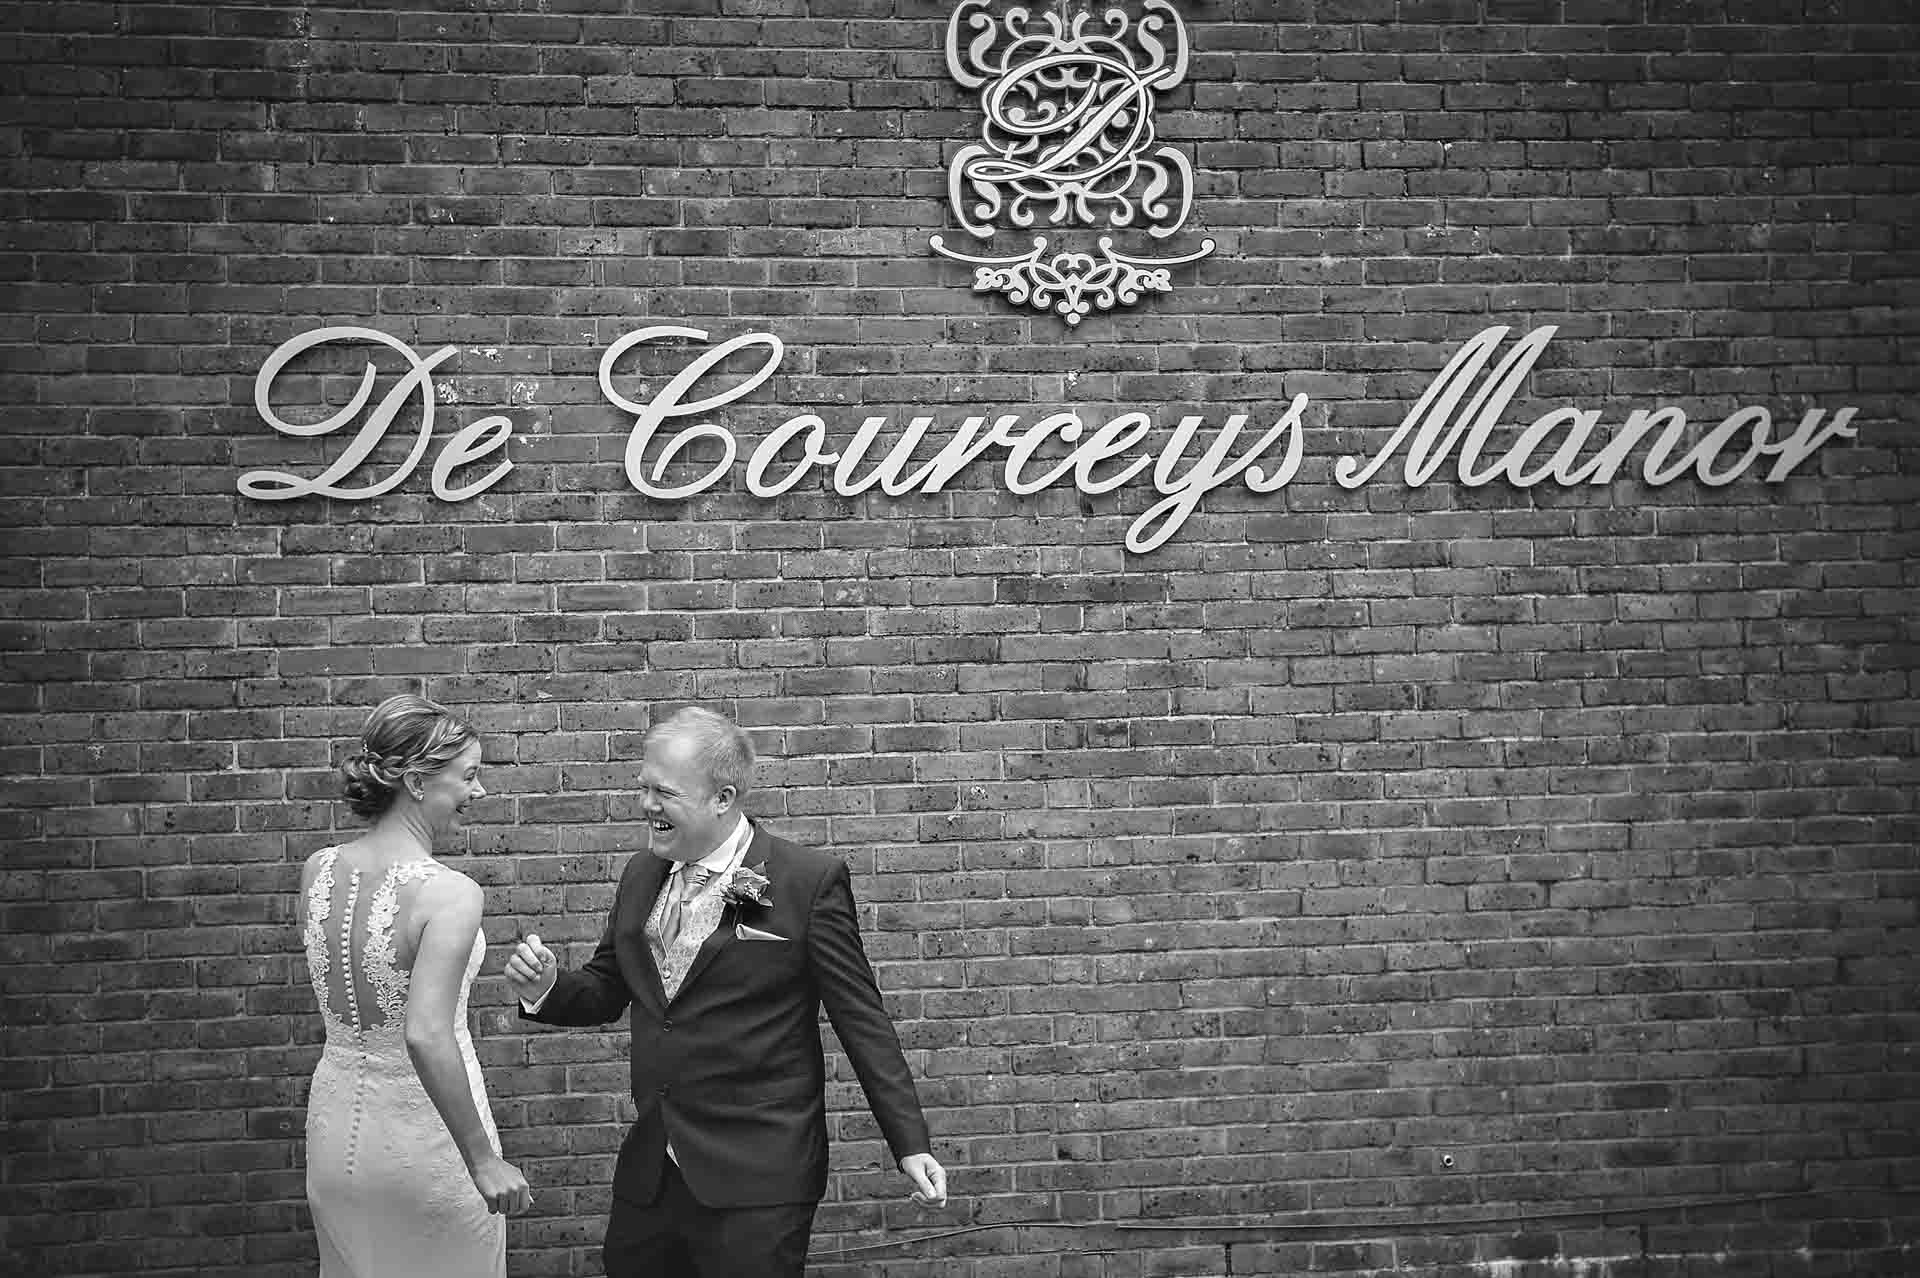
(502, 1185)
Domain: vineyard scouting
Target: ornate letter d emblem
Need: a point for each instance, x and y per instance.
(1069, 137)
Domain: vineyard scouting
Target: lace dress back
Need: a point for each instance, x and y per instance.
(389, 1191)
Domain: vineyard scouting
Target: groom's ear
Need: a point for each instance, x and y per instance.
(724, 797)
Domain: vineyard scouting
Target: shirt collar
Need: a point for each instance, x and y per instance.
(732, 850)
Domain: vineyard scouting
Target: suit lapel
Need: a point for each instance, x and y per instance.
(722, 934)
(635, 926)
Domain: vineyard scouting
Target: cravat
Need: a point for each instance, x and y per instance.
(691, 879)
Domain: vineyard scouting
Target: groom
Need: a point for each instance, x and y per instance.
(726, 942)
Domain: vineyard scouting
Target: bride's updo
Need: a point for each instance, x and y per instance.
(403, 734)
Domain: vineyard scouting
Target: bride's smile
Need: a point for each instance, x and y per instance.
(445, 795)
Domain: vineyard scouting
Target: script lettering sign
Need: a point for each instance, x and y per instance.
(1450, 426)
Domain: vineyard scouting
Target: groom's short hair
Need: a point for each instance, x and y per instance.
(724, 753)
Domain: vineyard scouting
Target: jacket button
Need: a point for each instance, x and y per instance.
(666, 1025)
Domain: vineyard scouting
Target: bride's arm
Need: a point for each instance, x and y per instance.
(451, 904)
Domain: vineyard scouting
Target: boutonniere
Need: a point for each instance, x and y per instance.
(747, 886)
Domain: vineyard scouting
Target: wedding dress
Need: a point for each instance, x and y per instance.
(389, 1192)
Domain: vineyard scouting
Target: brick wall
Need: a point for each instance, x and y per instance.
(1445, 879)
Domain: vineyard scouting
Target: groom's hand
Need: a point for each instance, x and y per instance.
(929, 1179)
(531, 970)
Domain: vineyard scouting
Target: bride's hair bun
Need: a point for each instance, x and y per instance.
(404, 734)
(371, 783)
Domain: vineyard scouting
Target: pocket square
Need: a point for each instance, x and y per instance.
(745, 933)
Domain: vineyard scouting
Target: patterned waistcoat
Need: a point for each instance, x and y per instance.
(697, 921)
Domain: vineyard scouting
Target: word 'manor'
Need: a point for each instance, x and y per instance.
(1453, 420)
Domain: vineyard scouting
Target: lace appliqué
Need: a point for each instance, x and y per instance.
(319, 909)
(378, 960)
(383, 973)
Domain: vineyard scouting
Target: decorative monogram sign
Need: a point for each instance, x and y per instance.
(1069, 140)
(1452, 427)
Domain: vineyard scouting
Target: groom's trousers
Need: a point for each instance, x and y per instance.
(677, 1236)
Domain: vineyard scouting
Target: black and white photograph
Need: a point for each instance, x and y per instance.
(960, 638)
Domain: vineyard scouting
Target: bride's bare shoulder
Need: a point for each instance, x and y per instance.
(449, 889)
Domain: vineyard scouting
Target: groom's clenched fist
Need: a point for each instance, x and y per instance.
(532, 970)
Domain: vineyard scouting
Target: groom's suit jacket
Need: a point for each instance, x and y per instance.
(731, 1069)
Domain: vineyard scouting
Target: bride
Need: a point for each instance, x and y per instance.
(404, 1173)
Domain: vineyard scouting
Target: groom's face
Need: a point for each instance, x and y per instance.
(687, 817)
